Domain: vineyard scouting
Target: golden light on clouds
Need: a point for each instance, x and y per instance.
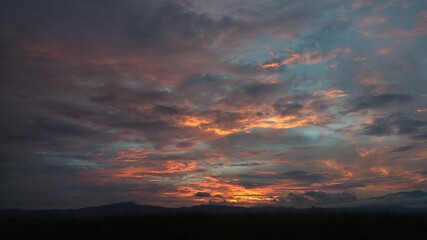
(168, 167)
(273, 122)
(226, 191)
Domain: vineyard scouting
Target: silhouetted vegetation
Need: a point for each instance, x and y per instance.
(203, 226)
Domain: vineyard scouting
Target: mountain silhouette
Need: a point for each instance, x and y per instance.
(411, 194)
(391, 203)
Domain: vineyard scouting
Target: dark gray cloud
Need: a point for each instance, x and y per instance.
(298, 177)
(217, 199)
(377, 101)
(303, 176)
(213, 199)
(286, 109)
(60, 128)
(405, 148)
(412, 199)
(253, 94)
(206, 89)
(246, 164)
(345, 185)
(396, 123)
(312, 198)
(202, 194)
(380, 127)
(90, 25)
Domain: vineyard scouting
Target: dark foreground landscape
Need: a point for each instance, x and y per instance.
(207, 226)
(214, 222)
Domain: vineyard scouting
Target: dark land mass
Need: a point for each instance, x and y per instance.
(132, 209)
(222, 226)
(131, 221)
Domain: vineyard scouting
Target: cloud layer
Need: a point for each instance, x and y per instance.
(177, 103)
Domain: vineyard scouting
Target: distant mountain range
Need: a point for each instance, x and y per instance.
(414, 202)
(411, 194)
(411, 199)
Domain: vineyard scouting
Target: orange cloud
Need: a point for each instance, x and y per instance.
(272, 122)
(130, 155)
(305, 58)
(205, 124)
(169, 167)
(383, 171)
(331, 93)
(229, 191)
(332, 164)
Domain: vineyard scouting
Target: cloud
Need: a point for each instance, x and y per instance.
(287, 108)
(296, 58)
(246, 164)
(405, 148)
(252, 93)
(379, 127)
(396, 123)
(146, 24)
(202, 194)
(312, 198)
(303, 176)
(244, 100)
(377, 101)
(412, 199)
(217, 199)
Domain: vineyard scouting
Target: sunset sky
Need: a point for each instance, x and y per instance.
(188, 102)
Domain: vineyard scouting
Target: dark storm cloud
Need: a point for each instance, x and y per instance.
(42, 37)
(286, 109)
(159, 133)
(253, 94)
(225, 119)
(378, 101)
(90, 25)
(60, 128)
(166, 110)
(217, 199)
(291, 16)
(246, 164)
(29, 134)
(405, 148)
(202, 194)
(397, 123)
(41, 113)
(213, 199)
(206, 89)
(380, 127)
(345, 185)
(71, 109)
(111, 93)
(182, 25)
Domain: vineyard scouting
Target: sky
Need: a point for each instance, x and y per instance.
(188, 102)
